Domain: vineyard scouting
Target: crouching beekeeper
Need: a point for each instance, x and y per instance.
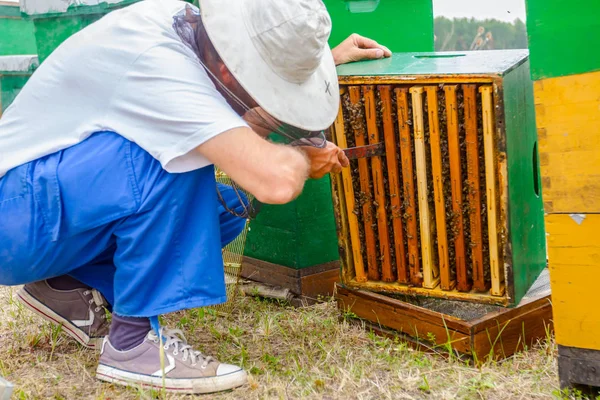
(108, 198)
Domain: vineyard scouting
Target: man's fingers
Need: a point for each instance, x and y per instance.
(387, 52)
(366, 43)
(368, 54)
(344, 161)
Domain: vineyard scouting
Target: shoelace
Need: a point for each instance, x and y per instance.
(176, 338)
(97, 299)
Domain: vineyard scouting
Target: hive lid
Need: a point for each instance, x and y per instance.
(69, 8)
(24, 63)
(489, 62)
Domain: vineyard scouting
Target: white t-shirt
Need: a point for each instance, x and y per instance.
(130, 73)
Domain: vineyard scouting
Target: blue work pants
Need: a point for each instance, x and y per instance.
(105, 212)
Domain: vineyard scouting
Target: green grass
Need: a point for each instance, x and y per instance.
(291, 353)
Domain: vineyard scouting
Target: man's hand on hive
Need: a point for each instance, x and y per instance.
(357, 48)
(325, 160)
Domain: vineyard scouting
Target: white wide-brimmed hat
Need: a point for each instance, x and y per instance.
(278, 52)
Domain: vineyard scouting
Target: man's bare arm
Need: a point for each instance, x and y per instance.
(274, 174)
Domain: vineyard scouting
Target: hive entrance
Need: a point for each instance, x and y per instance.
(426, 213)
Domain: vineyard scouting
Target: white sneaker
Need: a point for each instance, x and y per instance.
(185, 370)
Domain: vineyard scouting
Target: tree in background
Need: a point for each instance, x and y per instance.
(461, 34)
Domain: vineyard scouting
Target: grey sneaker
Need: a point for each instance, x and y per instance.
(80, 311)
(185, 370)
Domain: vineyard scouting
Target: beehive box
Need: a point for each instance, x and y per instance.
(377, 20)
(452, 206)
(56, 20)
(16, 34)
(14, 73)
(567, 101)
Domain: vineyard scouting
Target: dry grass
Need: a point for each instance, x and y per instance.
(308, 353)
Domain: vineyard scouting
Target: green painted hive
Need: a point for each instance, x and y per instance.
(405, 25)
(451, 206)
(562, 37)
(302, 234)
(16, 34)
(17, 52)
(55, 20)
(14, 73)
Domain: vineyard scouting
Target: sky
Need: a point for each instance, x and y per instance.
(503, 10)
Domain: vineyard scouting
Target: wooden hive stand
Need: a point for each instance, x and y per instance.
(483, 332)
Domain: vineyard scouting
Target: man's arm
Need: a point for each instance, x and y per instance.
(274, 174)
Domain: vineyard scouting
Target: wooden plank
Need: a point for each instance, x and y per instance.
(412, 320)
(574, 264)
(511, 258)
(347, 271)
(350, 204)
(397, 288)
(410, 211)
(489, 144)
(365, 187)
(420, 345)
(340, 212)
(462, 278)
(430, 270)
(317, 269)
(394, 79)
(289, 271)
(446, 281)
(272, 267)
(504, 336)
(496, 335)
(272, 274)
(420, 313)
(320, 284)
(317, 277)
(470, 99)
(568, 121)
(391, 152)
(502, 315)
(534, 330)
(387, 274)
